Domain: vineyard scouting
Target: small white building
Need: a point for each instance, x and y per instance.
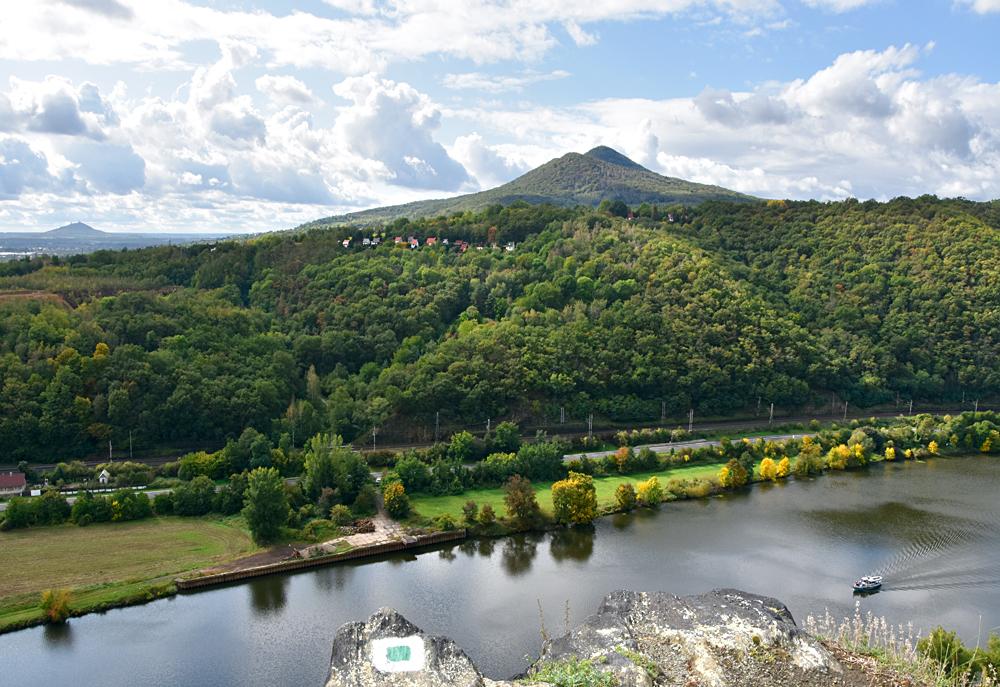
(104, 477)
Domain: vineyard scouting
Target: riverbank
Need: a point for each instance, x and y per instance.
(121, 564)
(109, 565)
(427, 506)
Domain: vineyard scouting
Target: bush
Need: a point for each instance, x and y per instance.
(625, 496)
(698, 489)
(163, 504)
(129, 505)
(89, 509)
(650, 493)
(784, 467)
(574, 499)
(316, 530)
(768, 470)
(194, 498)
(51, 508)
(414, 473)
(445, 522)
(470, 512)
(364, 504)
(55, 604)
(487, 516)
(20, 513)
(397, 503)
(733, 475)
(341, 514)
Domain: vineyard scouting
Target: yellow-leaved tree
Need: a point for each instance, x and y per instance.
(574, 499)
(890, 453)
(768, 469)
(650, 493)
(784, 467)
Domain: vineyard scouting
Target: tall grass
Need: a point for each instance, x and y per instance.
(895, 647)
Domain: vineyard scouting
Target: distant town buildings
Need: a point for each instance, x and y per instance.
(414, 242)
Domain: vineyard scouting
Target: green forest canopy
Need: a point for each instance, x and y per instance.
(292, 332)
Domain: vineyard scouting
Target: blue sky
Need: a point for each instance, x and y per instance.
(253, 115)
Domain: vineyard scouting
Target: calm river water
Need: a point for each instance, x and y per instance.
(931, 529)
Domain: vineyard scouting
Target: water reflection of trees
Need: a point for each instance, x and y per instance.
(518, 553)
(333, 577)
(59, 635)
(572, 543)
(269, 594)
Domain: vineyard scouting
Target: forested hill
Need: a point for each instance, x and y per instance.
(788, 302)
(601, 174)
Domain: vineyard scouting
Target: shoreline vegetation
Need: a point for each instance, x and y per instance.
(490, 499)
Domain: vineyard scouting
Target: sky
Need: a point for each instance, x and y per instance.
(258, 115)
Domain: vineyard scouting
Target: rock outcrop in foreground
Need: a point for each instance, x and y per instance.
(721, 639)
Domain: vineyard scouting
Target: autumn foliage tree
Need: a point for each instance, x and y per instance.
(521, 502)
(650, 492)
(397, 503)
(574, 499)
(733, 475)
(625, 496)
(784, 467)
(768, 470)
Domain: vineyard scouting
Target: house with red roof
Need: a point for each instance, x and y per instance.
(12, 483)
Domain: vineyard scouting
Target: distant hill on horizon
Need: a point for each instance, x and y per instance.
(573, 179)
(76, 230)
(78, 237)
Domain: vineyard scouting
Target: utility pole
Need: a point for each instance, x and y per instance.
(590, 426)
(770, 419)
(663, 411)
(437, 424)
(911, 407)
(690, 420)
(562, 415)
(977, 406)
(757, 414)
(488, 425)
(374, 432)
(845, 411)
(130, 444)
(110, 459)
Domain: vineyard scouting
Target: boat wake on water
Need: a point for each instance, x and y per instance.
(946, 555)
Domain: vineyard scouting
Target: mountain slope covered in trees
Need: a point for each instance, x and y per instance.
(573, 179)
(294, 333)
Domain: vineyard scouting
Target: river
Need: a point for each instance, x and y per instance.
(930, 528)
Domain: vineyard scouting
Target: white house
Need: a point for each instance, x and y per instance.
(104, 477)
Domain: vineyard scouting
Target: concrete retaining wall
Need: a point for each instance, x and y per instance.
(303, 563)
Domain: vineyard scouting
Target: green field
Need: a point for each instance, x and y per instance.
(432, 506)
(109, 564)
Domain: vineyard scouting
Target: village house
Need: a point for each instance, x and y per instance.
(12, 483)
(104, 477)
(431, 241)
(398, 240)
(366, 242)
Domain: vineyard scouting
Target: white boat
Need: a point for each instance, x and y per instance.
(868, 583)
